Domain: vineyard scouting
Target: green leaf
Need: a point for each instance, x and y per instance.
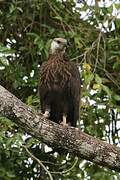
(2, 172)
(10, 174)
(20, 9)
(78, 42)
(96, 86)
(4, 61)
(106, 89)
(58, 18)
(116, 97)
(98, 79)
(117, 5)
(89, 78)
(116, 65)
(12, 8)
(115, 52)
(32, 34)
(110, 9)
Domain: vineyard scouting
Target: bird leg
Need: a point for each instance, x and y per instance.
(47, 113)
(64, 122)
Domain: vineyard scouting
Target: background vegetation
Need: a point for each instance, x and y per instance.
(93, 31)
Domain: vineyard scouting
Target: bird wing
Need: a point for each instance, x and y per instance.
(75, 88)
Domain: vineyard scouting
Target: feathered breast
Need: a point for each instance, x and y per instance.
(55, 71)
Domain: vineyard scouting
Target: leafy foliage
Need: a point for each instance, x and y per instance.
(92, 29)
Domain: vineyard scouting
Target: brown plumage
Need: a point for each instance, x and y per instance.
(59, 87)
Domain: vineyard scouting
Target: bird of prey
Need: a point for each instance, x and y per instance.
(59, 86)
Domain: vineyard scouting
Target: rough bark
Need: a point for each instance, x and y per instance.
(69, 139)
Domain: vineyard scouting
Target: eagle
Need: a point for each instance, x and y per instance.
(59, 86)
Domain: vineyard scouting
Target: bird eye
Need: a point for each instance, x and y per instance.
(58, 42)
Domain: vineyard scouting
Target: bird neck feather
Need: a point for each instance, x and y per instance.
(56, 56)
(57, 51)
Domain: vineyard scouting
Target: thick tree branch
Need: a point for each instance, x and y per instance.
(70, 139)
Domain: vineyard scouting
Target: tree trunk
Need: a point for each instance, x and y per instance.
(70, 139)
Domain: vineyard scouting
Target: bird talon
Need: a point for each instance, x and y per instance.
(64, 124)
(46, 114)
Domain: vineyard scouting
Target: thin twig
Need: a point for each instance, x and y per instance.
(77, 57)
(70, 169)
(39, 162)
(53, 8)
(98, 48)
(47, 162)
(110, 77)
(105, 56)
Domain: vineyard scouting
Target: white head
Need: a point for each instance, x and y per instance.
(58, 44)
